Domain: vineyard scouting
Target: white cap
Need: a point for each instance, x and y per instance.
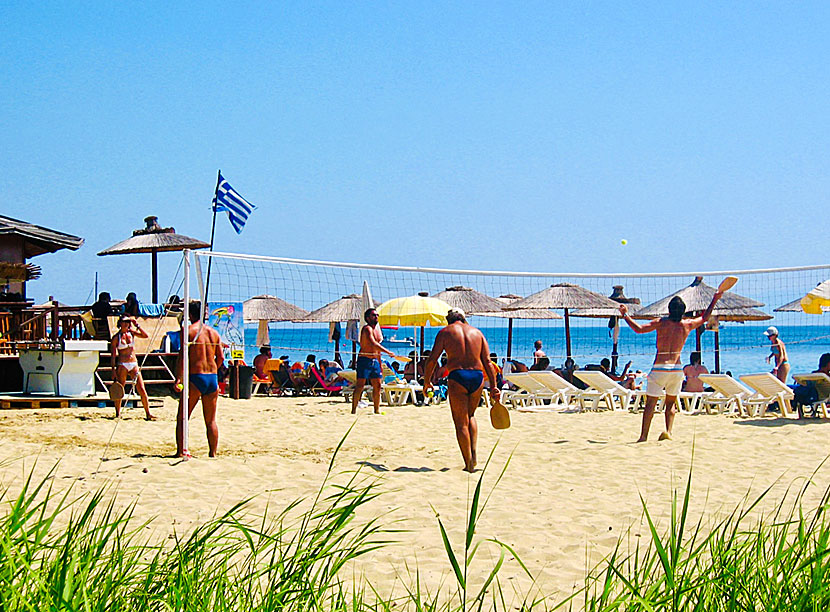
(771, 331)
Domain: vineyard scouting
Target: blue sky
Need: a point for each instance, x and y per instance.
(526, 136)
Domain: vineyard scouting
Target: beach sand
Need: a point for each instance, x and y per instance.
(571, 490)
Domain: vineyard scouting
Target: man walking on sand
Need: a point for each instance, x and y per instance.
(667, 372)
(468, 360)
(369, 366)
(204, 360)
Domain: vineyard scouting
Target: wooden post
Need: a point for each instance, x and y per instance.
(567, 333)
(509, 339)
(156, 278)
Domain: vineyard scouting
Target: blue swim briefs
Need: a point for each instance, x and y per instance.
(368, 367)
(205, 383)
(469, 379)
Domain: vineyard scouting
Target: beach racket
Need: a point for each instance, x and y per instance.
(116, 390)
(727, 283)
(499, 417)
(401, 358)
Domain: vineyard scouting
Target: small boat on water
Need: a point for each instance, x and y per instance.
(395, 342)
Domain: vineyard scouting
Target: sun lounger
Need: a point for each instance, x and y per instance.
(531, 394)
(768, 390)
(607, 390)
(730, 395)
(822, 384)
(564, 393)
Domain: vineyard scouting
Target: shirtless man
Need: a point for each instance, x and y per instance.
(667, 372)
(204, 360)
(468, 360)
(538, 353)
(369, 366)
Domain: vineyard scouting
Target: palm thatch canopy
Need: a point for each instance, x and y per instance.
(697, 297)
(563, 295)
(347, 308)
(158, 242)
(538, 314)
(741, 315)
(469, 300)
(794, 306)
(271, 308)
(18, 271)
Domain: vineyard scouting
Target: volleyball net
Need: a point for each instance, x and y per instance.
(234, 279)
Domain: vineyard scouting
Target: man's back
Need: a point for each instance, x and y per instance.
(671, 337)
(205, 353)
(463, 344)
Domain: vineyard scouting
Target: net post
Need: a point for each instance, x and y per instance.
(184, 356)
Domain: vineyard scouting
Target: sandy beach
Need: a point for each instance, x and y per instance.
(571, 490)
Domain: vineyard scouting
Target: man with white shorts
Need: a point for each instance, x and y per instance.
(667, 373)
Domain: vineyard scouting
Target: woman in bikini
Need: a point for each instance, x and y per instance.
(125, 363)
(779, 352)
(693, 384)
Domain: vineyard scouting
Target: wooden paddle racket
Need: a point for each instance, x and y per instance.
(499, 417)
(401, 358)
(116, 391)
(727, 283)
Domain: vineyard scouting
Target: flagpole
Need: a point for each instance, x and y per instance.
(212, 232)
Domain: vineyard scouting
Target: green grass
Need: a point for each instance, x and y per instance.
(59, 552)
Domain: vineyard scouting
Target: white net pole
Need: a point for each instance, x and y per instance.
(183, 412)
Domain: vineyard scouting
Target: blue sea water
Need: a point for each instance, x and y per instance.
(743, 348)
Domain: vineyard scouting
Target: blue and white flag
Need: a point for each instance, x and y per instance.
(228, 200)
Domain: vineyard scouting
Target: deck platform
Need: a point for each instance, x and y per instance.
(17, 401)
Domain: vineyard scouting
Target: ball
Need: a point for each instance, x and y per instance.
(623, 242)
(430, 393)
(179, 387)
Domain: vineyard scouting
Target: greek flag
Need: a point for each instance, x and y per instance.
(228, 200)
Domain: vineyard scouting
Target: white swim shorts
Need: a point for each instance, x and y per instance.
(666, 377)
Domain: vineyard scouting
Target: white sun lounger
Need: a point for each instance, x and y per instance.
(564, 393)
(607, 390)
(822, 385)
(531, 395)
(730, 395)
(768, 389)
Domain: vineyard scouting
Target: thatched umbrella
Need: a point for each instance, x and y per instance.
(567, 297)
(794, 306)
(697, 296)
(265, 308)
(613, 315)
(348, 308)
(534, 314)
(154, 239)
(469, 300)
(18, 271)
(739, 315)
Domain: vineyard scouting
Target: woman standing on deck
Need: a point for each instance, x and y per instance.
(124, 361)
(779, 352)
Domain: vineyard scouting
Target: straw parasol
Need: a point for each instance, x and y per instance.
(530, 313)
(613, 314)
(738, 315)
(469, 300)
(154, 239)
(347, 308)
(794, 306)
(567, 297)
(265, 308)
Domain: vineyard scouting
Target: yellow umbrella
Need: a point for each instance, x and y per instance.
(413, 311)
(817, 300)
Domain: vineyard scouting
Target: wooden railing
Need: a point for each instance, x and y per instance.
(27, 323)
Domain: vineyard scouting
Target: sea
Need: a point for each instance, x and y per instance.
(743, 347)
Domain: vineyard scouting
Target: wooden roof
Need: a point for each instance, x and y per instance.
(38, 240)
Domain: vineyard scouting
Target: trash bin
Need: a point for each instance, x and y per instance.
(241, 381)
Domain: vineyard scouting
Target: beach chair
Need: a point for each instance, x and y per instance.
(531, 395)
(319, 384)
(605, 389)
(768, 390)
(564, 392)
(729, 395)
(821, 382)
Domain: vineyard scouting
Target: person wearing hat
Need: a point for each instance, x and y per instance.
(779, 352)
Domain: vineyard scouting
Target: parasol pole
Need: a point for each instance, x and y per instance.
(717, 351)
(567, 333)
(509, 339)
(154, 255)
(615, 356)
(212, 232)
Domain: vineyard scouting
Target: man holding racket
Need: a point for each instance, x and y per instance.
(369, 366)
(667, 373)
(468, 360)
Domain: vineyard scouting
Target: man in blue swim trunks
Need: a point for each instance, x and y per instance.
(468, 360)
(368, 364)
(204, 359)
(666, 374)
